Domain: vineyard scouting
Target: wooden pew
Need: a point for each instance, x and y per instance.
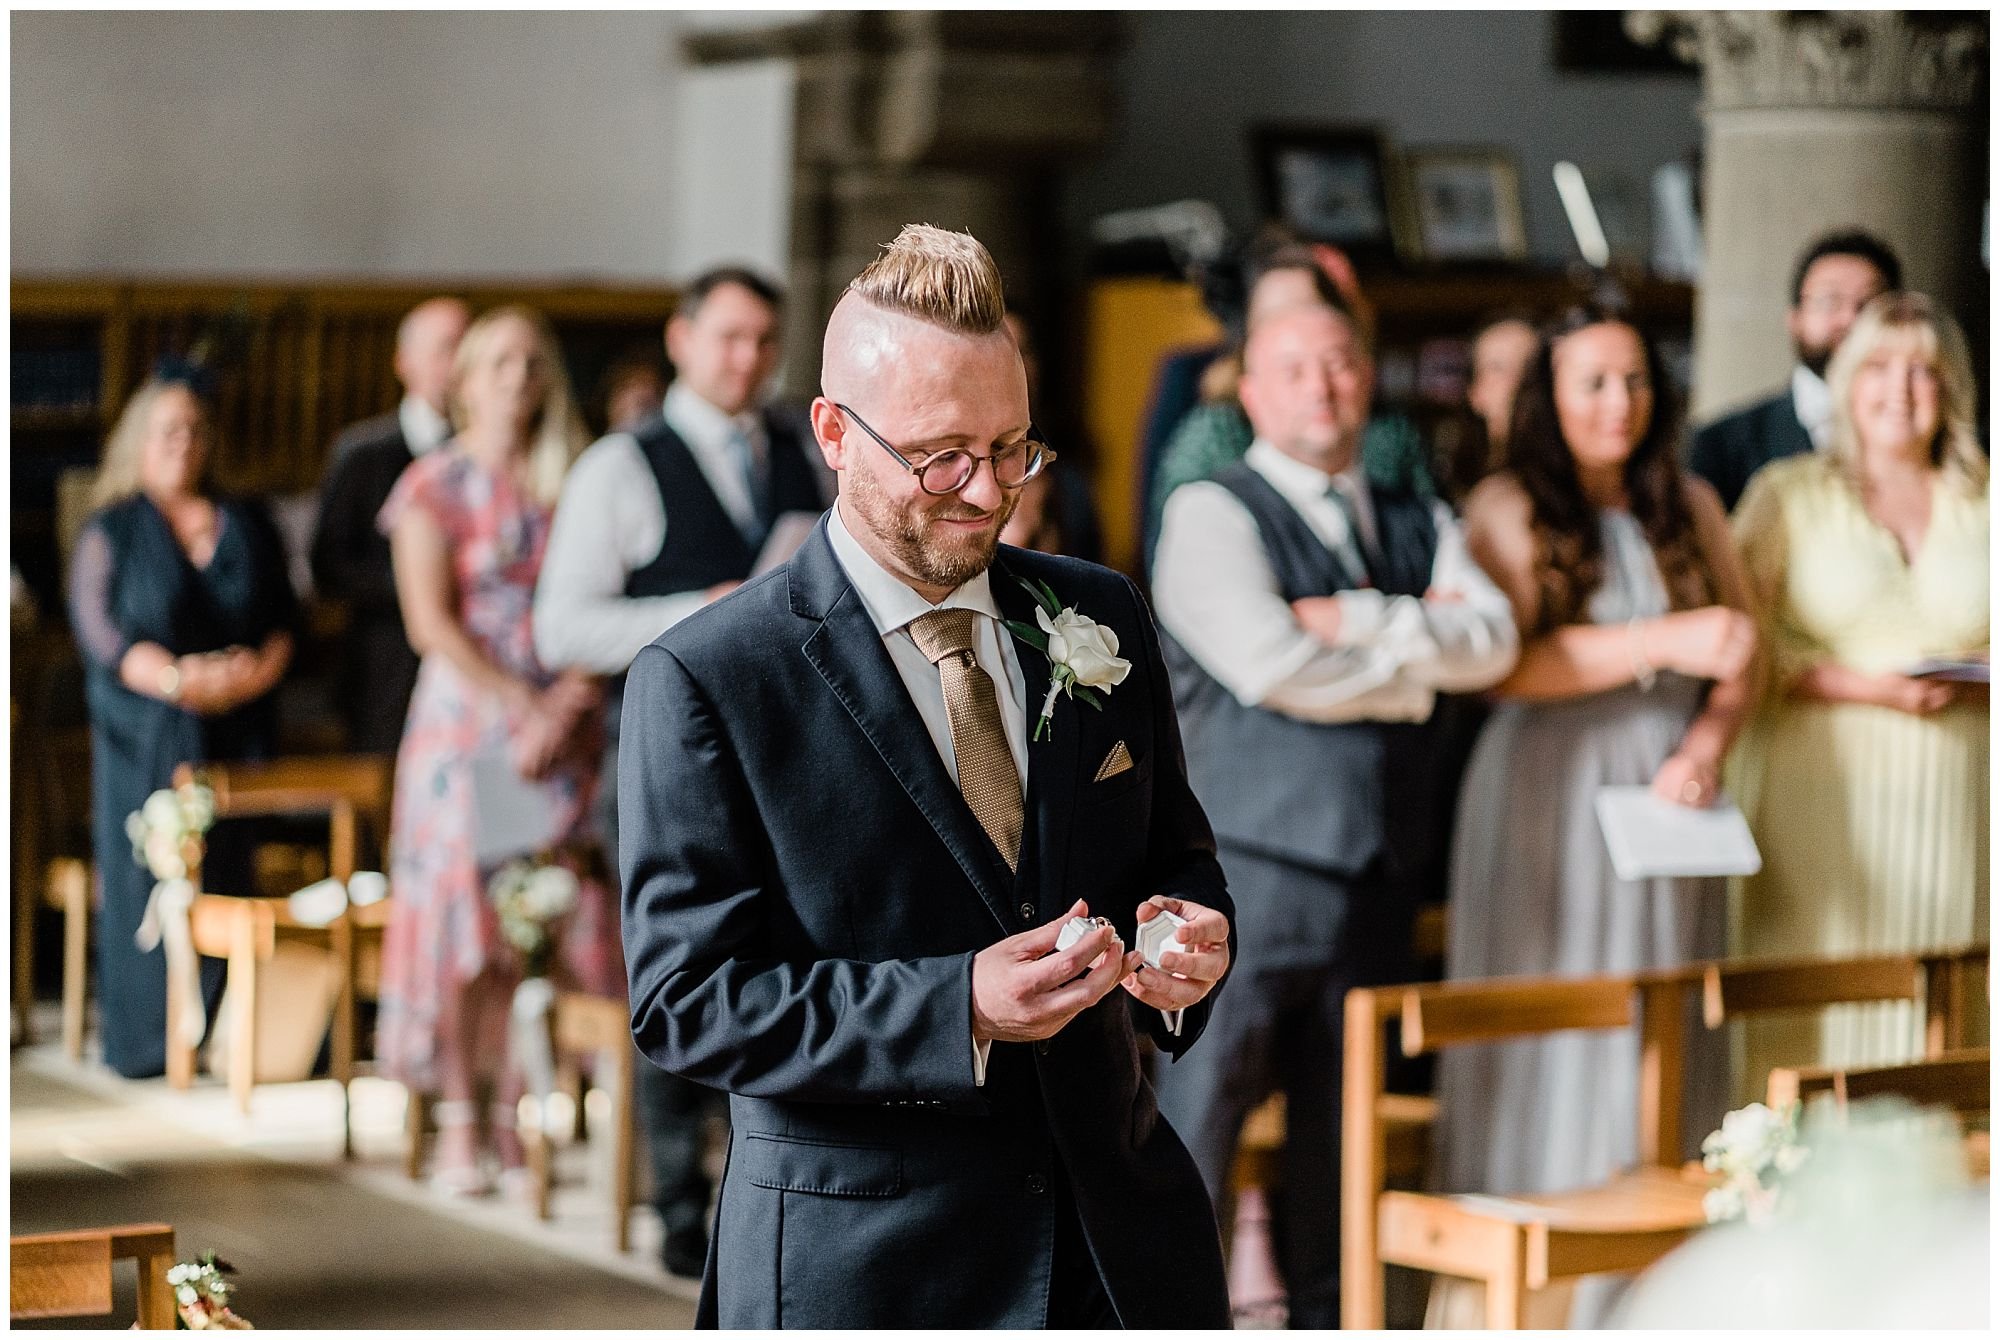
(69, 1274)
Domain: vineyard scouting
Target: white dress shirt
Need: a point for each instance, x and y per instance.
(424, 429)
(1214, 590)
(1812, 400)
(892, 605)
(611, 522)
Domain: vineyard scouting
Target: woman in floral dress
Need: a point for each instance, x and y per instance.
(467, 527)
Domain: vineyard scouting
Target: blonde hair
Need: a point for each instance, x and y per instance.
(943, 278)
(1912, 320)
(558, 433)
(118, 476)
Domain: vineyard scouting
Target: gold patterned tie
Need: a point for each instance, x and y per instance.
(986, 774)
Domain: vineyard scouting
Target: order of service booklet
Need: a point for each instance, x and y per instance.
(1651, 838)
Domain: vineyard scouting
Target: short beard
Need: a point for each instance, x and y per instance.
(903, 532)
(1813, 360)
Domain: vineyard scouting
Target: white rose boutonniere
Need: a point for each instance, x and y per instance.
(1083, 653)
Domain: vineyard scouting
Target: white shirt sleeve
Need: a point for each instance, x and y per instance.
(979, 1053)
(1470, 624)
(608, 524)
(1215, 592)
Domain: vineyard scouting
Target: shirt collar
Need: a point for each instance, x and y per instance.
(424, 429)
(1813, 402)
(890, 603)
(1295, 478)
(694, 417)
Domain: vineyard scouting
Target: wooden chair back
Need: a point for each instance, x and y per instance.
(350, 789)
(1731, 990)
(1960, 1081)
(69, 1274)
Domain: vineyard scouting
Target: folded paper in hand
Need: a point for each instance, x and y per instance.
(511, 816)
(1653, 838)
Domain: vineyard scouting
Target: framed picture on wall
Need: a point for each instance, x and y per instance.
(1330, 184)
(1464, 205)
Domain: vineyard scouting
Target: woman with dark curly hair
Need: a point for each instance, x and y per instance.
(1634, 670)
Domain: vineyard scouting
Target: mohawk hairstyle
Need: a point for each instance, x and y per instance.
(946, 279)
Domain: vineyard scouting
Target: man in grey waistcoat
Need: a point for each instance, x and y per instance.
(1313, 617)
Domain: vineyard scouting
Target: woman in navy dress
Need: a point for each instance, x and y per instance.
(183, 613)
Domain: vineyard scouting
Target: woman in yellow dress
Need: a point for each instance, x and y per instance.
(1867, 787)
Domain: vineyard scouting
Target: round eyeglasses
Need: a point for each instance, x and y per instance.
(952, 469)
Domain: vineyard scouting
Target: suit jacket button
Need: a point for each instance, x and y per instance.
(1027, 911)
(1038, 1185)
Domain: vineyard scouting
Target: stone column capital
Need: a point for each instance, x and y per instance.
(1861, 59)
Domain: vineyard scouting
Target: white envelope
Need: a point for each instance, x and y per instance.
(1652, 838)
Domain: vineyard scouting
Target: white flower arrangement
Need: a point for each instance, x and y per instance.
(531, 896)
(1755, 1151)
(166, 831)
(201, 1295)
(1083, 653)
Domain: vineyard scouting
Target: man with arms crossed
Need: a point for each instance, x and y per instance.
(653, 524)
(1313, 618)
(847, 862)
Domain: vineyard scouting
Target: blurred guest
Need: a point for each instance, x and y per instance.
(1312, 617)
(655, 523)
(1864, 560)
(1473, 443)
(1634, 670)
(1216, 433)
(467, 524)
(1835, 278)
(1054, 512)
(350, 555)
(633, 388)
(184, 616)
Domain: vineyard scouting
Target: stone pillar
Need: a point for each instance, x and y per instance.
(1816, 120)
(953, 118)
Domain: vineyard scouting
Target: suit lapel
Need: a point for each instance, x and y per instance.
(849, 655)
(1052, 760)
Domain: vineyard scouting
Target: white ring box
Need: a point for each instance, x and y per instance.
(1156, 937)
(1076, 928)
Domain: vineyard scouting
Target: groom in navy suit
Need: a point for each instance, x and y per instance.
(854, 820)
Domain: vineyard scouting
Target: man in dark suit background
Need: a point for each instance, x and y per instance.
(846, 863)
(1832, 282)
(655, 522)
(350, 556)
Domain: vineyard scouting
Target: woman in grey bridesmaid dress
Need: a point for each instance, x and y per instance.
(1634, 671)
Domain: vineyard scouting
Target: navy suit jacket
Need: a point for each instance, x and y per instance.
(1730, 450)
(804, 892)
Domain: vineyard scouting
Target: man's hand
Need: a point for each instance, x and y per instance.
(1188, 973)
(1021, 992)
(1320, 616)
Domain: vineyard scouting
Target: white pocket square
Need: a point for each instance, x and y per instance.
(1117, 761)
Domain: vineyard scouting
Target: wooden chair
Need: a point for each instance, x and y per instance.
(51, 819)
(1516, 1244)
(1960, 1081)
(586, 1025)
(69, 1274)
(349, 790)
(1939, 982)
